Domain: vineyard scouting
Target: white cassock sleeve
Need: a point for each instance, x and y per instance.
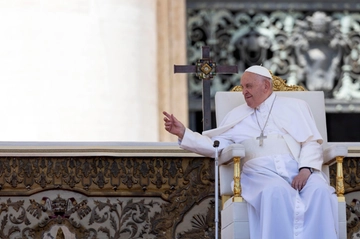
(311, 155)
(201, 144)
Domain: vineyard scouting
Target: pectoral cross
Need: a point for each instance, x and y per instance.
(205, 69)
(261, 138)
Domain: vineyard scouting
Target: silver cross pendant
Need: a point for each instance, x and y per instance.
(261, 139)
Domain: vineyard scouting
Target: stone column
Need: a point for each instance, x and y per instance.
(89, 70)
(172, 51)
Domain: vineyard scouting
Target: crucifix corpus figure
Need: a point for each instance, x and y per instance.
(205, 69)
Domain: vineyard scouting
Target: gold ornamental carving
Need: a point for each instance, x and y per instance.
(279, 84)
(346, 180)
(177, 183)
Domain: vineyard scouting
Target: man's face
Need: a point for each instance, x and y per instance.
(255, 89)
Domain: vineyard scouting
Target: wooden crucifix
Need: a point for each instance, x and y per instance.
(205, 69)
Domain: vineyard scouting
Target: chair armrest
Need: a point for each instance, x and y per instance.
(229, 170)
(231, 151)
(335, 154)
(333, 151)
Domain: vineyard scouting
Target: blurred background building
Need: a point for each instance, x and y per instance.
(315, 44)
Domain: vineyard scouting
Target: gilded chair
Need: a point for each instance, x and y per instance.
(234, 218)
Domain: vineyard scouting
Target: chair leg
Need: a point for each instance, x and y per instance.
(340, 189)
(237, 187)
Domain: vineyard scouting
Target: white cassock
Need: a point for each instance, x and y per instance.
(276, 210)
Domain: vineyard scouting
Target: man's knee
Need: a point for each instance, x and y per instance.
(276, 191)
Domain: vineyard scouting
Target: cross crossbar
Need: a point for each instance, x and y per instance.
(206, 69)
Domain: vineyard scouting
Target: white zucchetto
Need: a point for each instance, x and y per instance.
(260, 70)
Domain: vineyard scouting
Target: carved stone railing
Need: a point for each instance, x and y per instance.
(105, 191)
(101, 190)
(350, 187)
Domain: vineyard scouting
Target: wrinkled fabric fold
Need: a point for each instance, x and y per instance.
(276, 210)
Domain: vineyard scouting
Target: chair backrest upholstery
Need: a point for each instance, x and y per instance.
(226, 101)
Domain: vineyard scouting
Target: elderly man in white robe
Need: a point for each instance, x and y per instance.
(281, 179)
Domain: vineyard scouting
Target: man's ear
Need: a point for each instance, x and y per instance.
(267, 85)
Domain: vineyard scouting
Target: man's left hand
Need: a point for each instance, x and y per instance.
(300, 180)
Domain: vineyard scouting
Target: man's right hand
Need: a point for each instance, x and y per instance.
(173, 125)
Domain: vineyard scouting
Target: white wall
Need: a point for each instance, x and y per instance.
(79, 70)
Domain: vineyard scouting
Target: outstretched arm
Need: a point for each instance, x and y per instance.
(173, 125)
(192, 141)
